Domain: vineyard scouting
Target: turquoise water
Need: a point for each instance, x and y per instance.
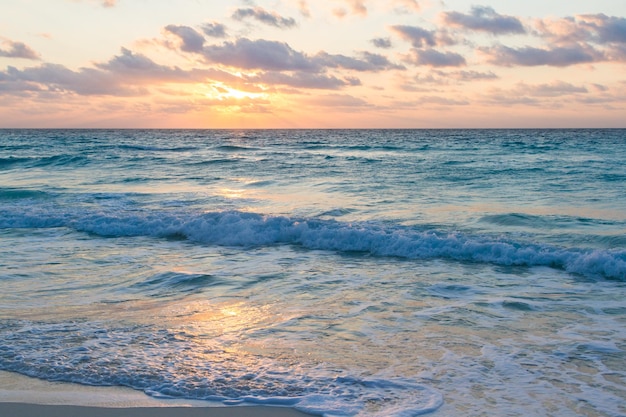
(339, 272)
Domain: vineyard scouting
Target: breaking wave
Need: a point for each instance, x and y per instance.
(236, 228)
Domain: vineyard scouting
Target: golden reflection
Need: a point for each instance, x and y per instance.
(229, 312)
(227, 321)
(232, 193)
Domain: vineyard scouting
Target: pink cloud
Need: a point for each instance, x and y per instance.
(11, 49)
(485, 19)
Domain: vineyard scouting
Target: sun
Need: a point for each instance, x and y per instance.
(223, 92)
(243, 94)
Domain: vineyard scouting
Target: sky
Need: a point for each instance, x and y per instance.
(312, 63)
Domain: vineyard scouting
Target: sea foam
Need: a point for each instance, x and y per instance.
(237, 228)
(94, 354)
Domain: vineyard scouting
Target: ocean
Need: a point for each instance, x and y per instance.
(338, 272)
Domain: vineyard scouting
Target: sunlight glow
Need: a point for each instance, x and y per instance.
(231, 193)
(220, 91)
(442, 65)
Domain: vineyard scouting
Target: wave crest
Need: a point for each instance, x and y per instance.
(235, 228)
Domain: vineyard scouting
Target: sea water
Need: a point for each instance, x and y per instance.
(338, 272)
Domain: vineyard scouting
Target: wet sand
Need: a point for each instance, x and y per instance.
(21, 396)
(38, 410)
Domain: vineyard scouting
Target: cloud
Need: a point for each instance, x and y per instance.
(10, 49)
(265, 17)
(420, 37)
(357, 7)
(304, 8)
(499, 97)
(266, 55)
(303, 80)
(139, 68)
(485, 19)
(340, 12)
(406, 5)
(260, 54)
(338, 100)
(565, 31)
(11, 85)
(427, 100)
(434, 58)
(600, 87)
(608, 33)
(554, 89)
(104, 3)
(383, 43)
(440, 77)
(531, 56)
(58, 79)
(594, 28)
(472, 75)
(581, 39)
(137, 65)
(609, 28)
(222, 104)
(143, 69)
(128, 74)
(191, 41)
(437, 80)
(214, 30)
(368, 62)
(544, 95)
(379, 62)
(617, 53)
(442, 101)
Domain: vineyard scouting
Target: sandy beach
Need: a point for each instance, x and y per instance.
(38, 410)
(21, 396)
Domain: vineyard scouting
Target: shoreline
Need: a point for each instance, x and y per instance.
(37, 410)
(22, 396)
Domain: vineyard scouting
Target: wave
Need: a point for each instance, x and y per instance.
(549, 221)
(45, 161)
(166, 284)
(244, 229)
(6, 163)
(259, 184)
(234, 148)
(177, 364)
(17, 194)
(158, 148)
(216, 161)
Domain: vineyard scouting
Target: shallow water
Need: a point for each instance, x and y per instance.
(369, 272)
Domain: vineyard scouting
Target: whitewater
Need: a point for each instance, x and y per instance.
(338, 272)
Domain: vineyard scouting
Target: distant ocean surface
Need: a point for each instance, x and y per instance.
(338, 272)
